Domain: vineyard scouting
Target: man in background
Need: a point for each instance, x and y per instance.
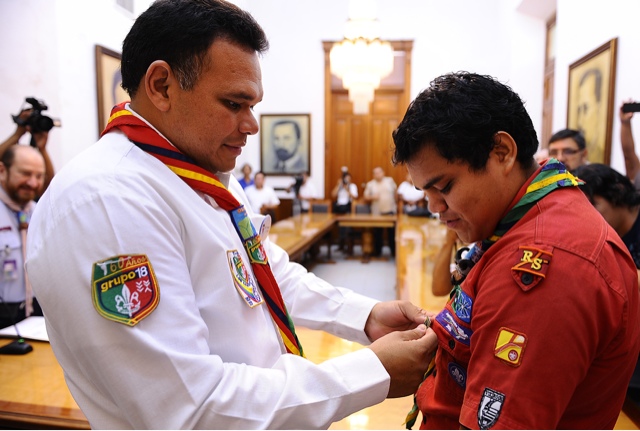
(262, 197)
(569, 147)
(22, 173)
(380, 193)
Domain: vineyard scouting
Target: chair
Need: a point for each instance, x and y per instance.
(359, 206)
(322, 206)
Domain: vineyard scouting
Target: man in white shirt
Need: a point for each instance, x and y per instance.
(167, 305)
(262, 198)
(305, 192)
(380, 192)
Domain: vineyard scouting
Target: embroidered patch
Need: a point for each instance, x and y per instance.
(242, 223)
(255, 250)
(510, 346)
(124, 288)
(458, 374)
(462, 304)
(243, 279)
(460, 333)
(490, 408)
(532, 266)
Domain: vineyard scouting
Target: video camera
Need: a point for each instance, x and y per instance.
(36, 121)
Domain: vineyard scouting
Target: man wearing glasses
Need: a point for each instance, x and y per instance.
(569, 147)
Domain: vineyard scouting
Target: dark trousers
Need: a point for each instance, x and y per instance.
(378, 239)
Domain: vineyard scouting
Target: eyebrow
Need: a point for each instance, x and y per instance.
(433, 181)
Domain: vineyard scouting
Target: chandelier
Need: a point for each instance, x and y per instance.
(361, 59)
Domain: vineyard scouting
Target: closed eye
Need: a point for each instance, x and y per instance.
(446, 189)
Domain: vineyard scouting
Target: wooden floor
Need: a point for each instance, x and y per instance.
(417, 242)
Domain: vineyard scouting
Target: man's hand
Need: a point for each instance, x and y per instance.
(386, 317)
(406, 356)
(40, 139)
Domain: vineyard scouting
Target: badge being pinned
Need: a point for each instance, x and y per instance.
(124, 288)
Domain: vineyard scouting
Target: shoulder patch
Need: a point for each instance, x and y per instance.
(531, 266)
(124, 288)
(489, 408)
(510, 346)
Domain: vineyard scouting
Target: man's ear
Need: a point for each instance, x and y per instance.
(585, 155)
(4, 172)
(157, 82)
(504, 151)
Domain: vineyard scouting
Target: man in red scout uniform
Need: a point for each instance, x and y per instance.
(542, 330)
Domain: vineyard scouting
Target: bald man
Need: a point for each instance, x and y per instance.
(22, 172)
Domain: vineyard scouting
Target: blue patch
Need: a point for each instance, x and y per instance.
(448, 322)
(458, 374)
(462, 305)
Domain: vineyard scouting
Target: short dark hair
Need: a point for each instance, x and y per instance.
(576, 135)
(295, 124)
(180, 32)
(459, 114)
(9, 156)
(604, 181)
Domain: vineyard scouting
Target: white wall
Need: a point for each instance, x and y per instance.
(48, 52)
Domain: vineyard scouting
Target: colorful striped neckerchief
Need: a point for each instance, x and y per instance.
(551, 176)
(150, 141)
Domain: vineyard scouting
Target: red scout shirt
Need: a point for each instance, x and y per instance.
(546, 331)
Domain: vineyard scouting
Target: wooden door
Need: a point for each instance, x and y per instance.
(363, 142)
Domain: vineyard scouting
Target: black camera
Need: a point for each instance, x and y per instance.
(631, 107)
(36, 121)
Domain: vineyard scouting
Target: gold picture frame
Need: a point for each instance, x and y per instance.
(108, 83)
(590, 101)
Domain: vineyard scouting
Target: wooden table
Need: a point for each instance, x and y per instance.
(33, 393)
(366, 222)
(300, 233)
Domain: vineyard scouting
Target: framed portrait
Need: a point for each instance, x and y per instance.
(285, 143)
(108, 83)
(590, 101)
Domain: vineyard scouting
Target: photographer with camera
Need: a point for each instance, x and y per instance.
(38, 125)
(304, 191)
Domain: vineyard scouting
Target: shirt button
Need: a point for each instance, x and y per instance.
(527, 278)
(452, 344)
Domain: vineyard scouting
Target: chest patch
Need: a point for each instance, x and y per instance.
(457, 331)
(124, 288)
(243, 279)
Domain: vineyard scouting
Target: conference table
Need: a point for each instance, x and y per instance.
(33, 393)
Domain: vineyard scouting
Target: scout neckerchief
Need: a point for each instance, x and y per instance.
(552, 175)
(150, 141)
